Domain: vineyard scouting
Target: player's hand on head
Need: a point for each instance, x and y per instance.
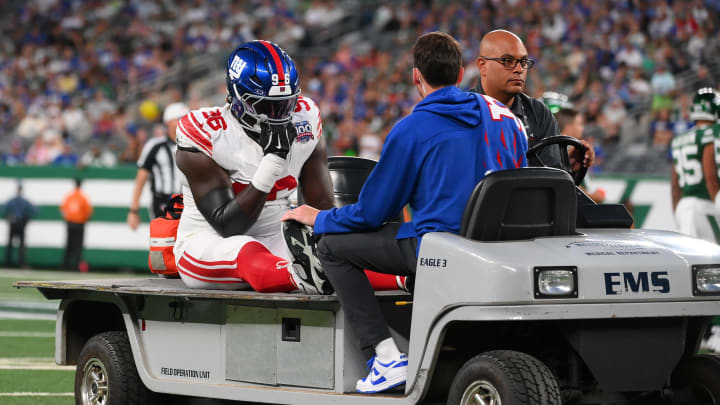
(277, 139)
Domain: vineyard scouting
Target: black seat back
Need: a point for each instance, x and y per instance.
(521, 204)
(348, 175)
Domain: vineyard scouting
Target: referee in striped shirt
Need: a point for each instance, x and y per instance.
(157, 163)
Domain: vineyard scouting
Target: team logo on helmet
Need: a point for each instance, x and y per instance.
(236, 67)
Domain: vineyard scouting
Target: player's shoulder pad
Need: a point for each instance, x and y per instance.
(198, 128)
(306, 107)
(707, 135)
(307, 120)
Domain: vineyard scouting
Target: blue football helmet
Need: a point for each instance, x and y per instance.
(262, 84)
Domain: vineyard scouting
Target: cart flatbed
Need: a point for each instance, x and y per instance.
(174, 287)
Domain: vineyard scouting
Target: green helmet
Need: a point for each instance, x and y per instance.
(706, 105)
(556, 101)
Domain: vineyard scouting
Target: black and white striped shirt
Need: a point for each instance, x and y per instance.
(158, 157)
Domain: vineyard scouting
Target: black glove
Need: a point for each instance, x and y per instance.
(277, 139)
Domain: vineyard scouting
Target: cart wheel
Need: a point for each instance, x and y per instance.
(504, 377)
(106, 373)
(696, 381)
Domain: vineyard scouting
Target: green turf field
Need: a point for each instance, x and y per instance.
(28, 373)
(27, 364)
(8, 277)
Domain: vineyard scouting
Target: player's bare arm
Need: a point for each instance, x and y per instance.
(710, 170)
(227, 213)
(317, 187)
(675, 190)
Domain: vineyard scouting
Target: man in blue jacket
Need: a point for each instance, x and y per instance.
(432, 159)
(17, 211)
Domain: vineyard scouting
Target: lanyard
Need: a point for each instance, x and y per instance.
(523, 117)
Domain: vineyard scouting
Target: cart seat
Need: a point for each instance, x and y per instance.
(521, 204)
(348, 175)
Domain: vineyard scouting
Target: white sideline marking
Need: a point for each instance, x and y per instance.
(36, 394)
(28, 334)
(49, 307)
(26, 315)
(31, 363)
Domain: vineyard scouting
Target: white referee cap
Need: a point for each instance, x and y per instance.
(175, 111)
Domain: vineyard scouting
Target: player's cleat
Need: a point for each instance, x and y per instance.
(712, 340)
(309, 276)
(296, 274)
(384, 376)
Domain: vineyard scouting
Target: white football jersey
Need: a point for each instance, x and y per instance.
(216, 132)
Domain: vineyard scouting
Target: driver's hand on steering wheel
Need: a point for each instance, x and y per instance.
(587, 160)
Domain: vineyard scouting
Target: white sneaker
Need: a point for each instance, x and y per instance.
(384, 376)
(310, 276)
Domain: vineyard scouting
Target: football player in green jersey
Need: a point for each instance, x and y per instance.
(712, 104)
(695, 174)
(706, 112)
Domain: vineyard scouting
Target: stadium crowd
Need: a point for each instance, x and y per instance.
(66, 66)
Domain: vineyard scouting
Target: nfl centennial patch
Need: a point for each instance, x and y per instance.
(304, 132)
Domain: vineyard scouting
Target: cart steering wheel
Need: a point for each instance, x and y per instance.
(562, 141)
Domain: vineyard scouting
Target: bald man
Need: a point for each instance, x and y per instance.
(503, 64)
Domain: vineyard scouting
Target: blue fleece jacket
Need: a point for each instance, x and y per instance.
(432, 159)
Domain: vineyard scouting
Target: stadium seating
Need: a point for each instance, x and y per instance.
(56, 57)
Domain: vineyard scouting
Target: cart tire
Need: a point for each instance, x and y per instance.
(696, 381)
(504, 377)
(106, 373)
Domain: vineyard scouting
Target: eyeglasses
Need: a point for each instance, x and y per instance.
(509, 62)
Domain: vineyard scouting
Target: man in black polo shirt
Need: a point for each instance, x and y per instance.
(503, 65)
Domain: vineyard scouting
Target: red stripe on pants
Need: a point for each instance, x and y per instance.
(255, 264)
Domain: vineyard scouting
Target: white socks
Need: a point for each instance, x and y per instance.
(387, 351)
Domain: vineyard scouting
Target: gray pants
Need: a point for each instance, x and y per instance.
(345, 257)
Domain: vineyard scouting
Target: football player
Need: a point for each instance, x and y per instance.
(695, 175)
(713, 104)
(241, 162)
